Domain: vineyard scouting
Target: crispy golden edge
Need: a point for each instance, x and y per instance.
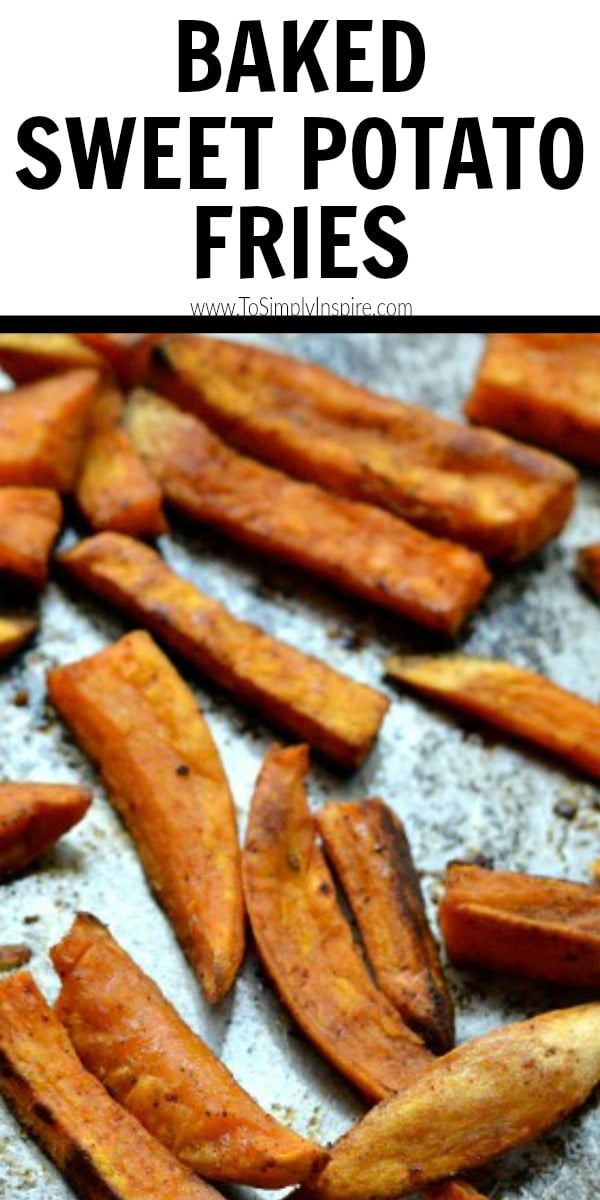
(129, 1036)
(28, 357)
(306, 944)
(14, 632)
(100, 1149)
(294, 691)
(138, 721)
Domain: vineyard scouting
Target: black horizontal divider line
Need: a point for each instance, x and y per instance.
(433, 324)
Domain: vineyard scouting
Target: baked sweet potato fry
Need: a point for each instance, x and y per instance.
(114, 488)
(543, 928)
(543, 388)
(134, 716)
(101, 1150)
(130, 1037)
(306, 944)
(486, 1097)
(516, 701)
(14, 632)
(501, 498)
(13, 956)
(296, 692)
(27, 357)
(355, 547)
(370, 853)
(127, 354)
(453, 1189)
(35, 815)
(588, 567)
(30, 519)
(42, 430)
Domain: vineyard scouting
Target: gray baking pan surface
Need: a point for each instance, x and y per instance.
(462, 793)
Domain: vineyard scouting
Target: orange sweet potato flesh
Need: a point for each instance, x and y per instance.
(42, 430)
(35, 815)
(473, 486)
(370, 853)
(296, 692)
(486, 1097)
(27, 357)
(128, 1035)
(127, 354)
(30, 519)
(14, 632)
(102, 1151)
(355, 547)
(543, 388)
(114, 488)
(13, 956)
(305, 941)
(543, 928)
(588, 567)
(134, 716)
(516, 701)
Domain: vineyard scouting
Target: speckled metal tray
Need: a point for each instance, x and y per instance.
(461, 793)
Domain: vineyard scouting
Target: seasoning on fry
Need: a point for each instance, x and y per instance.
(42, 430)
(33, 816)
(30, 519)
(27, 357)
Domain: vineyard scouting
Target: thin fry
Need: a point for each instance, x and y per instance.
(356, 547)
(370, 853)
(27, 357)
(139, 723)
(42, 430)
(128, 1035)
(486, 1097)
(473, 486)
(544, 388)
(306, 944)
(296, 692)
(101, 1150)
(30, 519)
(517, 701)
(35, 815)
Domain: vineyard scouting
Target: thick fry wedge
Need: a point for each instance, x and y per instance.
(35, 815)
(473, 486)
(306, 944)
(14, 632)
(588, 567)
(101, 1150)
(370, 852)
(114, 488)
(132, 713)
(355, 547)
(544, 388)
(13, 956)
(30, 519)
(130, 1037)
(127, 354)
(517, 701)
(477, 1102)
(42, 430)
(298, 693)
(27, 357)
(544, 928)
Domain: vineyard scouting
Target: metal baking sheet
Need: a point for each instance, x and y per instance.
(461, 793)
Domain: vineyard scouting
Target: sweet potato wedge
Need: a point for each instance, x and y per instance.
(516, 701)
(14, 632)
(370, 853)
(13, 956)
(127, 354)
(293, 690)
(133, 715)
(27, 357)
(543, 388)
(35, 815)
(306, 944)
(543, 928)
(588, 567)
(30, 519)
(101, 1150)
(42, 430)
(114, 488)
(355, 547)
(486, 1097)
(130, 1037)
(501, 498)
